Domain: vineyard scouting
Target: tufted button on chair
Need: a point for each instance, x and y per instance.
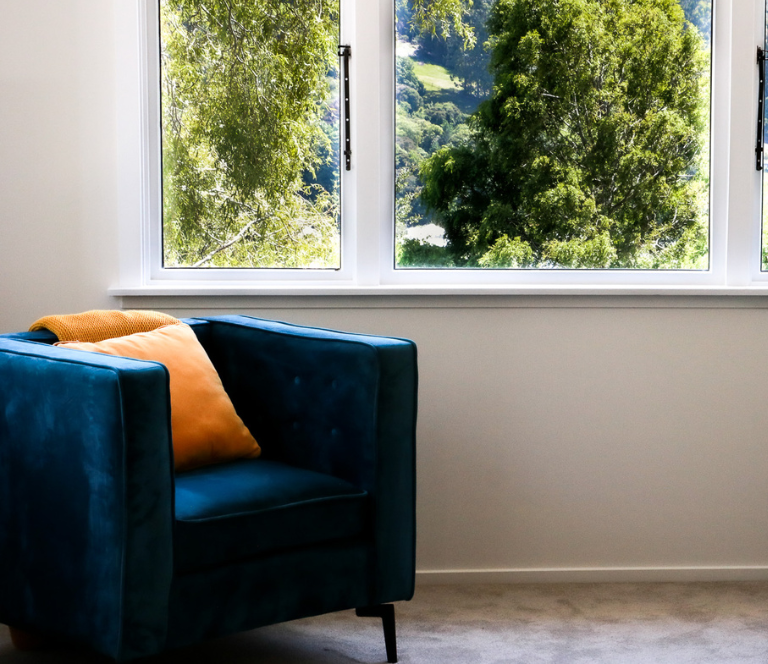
(103, 544)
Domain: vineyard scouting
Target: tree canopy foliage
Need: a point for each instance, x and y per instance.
(248, 119)
(443, 18)
(589, 151)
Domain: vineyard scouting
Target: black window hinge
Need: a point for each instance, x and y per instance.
(345, 51)
(760, 140)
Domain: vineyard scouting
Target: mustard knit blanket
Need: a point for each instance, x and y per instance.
(101, 324)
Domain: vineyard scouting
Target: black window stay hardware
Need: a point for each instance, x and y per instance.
(344, 52)
(761, 56)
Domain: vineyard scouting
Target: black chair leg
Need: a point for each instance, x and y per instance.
(387, 614)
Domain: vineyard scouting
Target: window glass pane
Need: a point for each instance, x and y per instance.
(250, 133)
(565, 134)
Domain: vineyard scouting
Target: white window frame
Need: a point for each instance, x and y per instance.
(368, 189)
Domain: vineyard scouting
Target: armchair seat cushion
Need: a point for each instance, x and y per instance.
(252, 507)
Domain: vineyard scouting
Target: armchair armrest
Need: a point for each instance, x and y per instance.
(338, 403)
(86, 497)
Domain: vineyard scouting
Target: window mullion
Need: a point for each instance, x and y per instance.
(368, 130)
(743, 209)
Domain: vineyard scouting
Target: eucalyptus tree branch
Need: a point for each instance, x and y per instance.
(229, 243)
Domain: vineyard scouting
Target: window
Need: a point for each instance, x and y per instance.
(250, 133)
(374, 228)
(563, 135)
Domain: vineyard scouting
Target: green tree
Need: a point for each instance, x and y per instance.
(589, 153)
(443, 17)
(245, 128)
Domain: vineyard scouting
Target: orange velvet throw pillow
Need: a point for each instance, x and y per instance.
(206, 429)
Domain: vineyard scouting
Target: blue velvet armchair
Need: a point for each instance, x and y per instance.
(103, 544)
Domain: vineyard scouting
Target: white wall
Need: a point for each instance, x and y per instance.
(555, 434)
(57, 157)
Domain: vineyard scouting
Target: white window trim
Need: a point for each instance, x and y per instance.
(367, 234)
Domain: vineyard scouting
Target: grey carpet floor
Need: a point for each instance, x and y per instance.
(660, 623)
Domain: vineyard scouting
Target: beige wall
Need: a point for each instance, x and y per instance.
(554, 433)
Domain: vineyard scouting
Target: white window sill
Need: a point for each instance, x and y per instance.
(309, 290)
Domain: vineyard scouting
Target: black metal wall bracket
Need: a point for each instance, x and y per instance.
(759, 143)
(345, 51)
